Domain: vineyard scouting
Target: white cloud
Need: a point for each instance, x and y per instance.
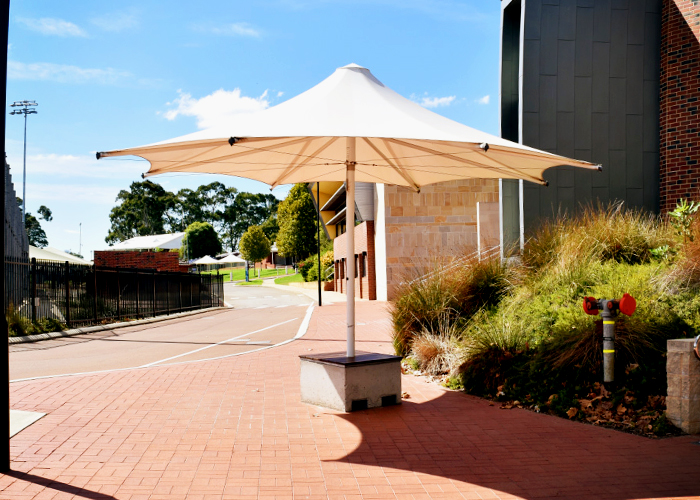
(433, 102)
(52, 27)
(215, 109)
(484, 100)
(63, 73)
(116, 22)
(233, 29)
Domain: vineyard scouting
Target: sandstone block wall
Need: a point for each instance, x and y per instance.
(441, 220)
(683, 378)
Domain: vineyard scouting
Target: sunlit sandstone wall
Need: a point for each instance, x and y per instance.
(438, 221)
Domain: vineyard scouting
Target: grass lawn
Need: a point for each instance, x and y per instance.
(238, 273)
(250, 283)
(292, 278)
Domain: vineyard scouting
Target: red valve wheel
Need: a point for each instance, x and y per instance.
(628, 305)
(590, 306)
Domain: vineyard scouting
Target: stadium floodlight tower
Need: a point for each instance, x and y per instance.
(24, 108)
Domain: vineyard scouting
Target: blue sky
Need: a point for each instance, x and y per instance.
(111, 75)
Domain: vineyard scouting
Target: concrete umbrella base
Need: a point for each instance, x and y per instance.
(342, 383)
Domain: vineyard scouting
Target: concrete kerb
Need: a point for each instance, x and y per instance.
(101, 328)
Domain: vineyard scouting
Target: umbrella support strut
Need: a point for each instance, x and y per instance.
(350, 254)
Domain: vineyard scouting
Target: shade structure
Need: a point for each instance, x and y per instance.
(231, 259)
(206, 260)
(350, 127)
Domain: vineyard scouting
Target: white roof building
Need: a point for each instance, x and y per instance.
(55, 255)
(162, 241)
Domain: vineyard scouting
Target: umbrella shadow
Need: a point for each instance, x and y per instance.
(58, 486)
(462, 438)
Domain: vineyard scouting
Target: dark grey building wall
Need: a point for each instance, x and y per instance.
(590, 90)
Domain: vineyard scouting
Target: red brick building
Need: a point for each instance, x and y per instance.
(678, 100)
(365, 274)
(135, 259)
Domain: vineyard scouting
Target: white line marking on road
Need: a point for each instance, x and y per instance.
(303, 328)
(218, 343)
(304, 324)
(279, 307)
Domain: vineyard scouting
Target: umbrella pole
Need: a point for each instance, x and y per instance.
(350, 254)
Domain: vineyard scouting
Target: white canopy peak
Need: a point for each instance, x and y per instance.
(354, 66)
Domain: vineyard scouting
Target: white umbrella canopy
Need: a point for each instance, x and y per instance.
(348, 127)
(301, 140)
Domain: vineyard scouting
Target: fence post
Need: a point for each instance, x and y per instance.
(138, 295)
(33, 273)
(154, 294)
(167, 293)
(67, 281)
(119, 297)
(179, 291)
(94, 293)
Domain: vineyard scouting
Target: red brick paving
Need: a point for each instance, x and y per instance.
(235, 428)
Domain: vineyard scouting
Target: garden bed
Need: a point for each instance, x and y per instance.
(515, 331)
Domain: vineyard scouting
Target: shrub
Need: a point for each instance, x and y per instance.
(448, 292)
(686, 274)
(19, 326)
(304, 267)
(438, 352)
(599, 232)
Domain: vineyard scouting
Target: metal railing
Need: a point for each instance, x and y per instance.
(79, 295)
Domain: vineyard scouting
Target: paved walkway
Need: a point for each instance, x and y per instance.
(235, 428)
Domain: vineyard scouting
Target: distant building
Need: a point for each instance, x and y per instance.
(140, 253)
(399, 230)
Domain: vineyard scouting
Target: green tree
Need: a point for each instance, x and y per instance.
(200, 239)
(140, 212)
(254, 245)
(270, 227)
(251, 209)
(35, 233)
(296, 217)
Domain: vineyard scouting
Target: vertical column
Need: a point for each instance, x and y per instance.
(350, 257)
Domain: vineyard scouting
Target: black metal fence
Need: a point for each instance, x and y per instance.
(80, 295)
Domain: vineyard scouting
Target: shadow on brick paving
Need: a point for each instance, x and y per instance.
(58, 486)
(519, 452)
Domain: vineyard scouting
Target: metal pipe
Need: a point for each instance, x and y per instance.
(607, 314)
